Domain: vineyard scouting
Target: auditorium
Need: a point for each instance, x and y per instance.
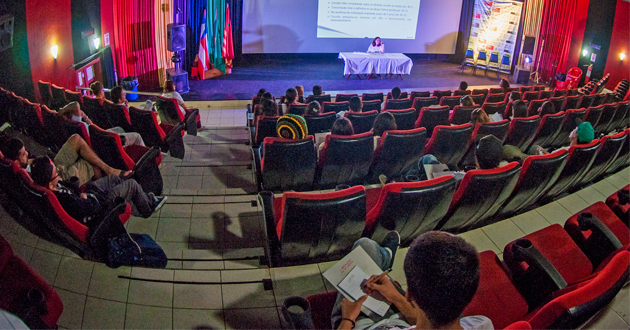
(315, 164)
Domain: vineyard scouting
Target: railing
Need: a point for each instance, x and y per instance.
(77, 88)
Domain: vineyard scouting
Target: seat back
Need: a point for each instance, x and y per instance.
(533, 106)
(415, 94)
(362, 121)
(59, 96)
(405, 118)
(297, 109)
(344, 97)
(449, 143)
(371, 105)
(524, 89)
(461, 92)
(579, 162)
(482, 58)
(398, 104)
(320, 123)
(558, 102)
(522, 131)
(410, 208)
(530, 95)
(483, 91)
(499, 129)
(450, 101)
(33, 121)
(55, 132)
(598, 99)
(492, 108)
(403, 95)
(570, 123)
(545, 95)
(494, 98)
(397, 152)
(538, 174)
(593, 114)
(480, 194)
(585, 101)
(72, 127)
(344, 160)
(168, 109)
(431, 117)
(74, 97)
(108, 147)
(421, 102)
(608, 115)
(582, 301)
(494, 59)
(478, 99)
(608, 151)
(335, 106)
(335, 221)
(372, 96)
(560, 92)
(461, 114)
(539, 87)
(266, 127)
(44, 93)
(118, 115)
(548, 128)
(288, 164)
(95, 110)
(146, 124)
(571, 102)
(440, 94)
(319, 98)
(620, 119)
(495, 90)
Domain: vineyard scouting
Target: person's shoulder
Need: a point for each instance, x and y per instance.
(476, 322)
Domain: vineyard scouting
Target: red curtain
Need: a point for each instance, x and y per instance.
(556, 28)
(134, 33)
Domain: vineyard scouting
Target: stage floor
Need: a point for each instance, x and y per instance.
(278, 75)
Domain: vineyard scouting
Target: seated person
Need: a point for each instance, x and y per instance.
(354, 104)
(84, 206)
(395, 96)
(75, 158)
(317, 91)
(385, 121)
(300, 93)
(514, 96)
(289, 100)
(97, 90)
(520, 109)
(488, 152)
(258, 107)
(341, 126)
(478, 116)
(505, 85)
(313, 109)
(547, 108)
(582, 134)
(376, 46)
(466, 101)
(292, 127)
(442, 272)
(170, 92)
(463, 86)
(268, 108)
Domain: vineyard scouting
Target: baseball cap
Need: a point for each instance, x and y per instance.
(585, 132)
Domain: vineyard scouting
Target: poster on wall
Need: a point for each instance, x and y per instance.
(495, 27)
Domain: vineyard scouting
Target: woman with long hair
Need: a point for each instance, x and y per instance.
(377, 46)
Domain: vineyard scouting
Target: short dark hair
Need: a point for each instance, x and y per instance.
(342, 126)
(355, 104)
(504, 84)
(317, 90)
(11, 149)
(41, 171)
(466, 101)
(463, 86)
(169, 86)
(261, 92)
(442, 272)
(514, 95)
(115, 93)
(290, 95)
(547, 108)
(488, 152)
(314, 108)
(269, 108)
(396, 93)
(519, 109)
(267, 95)
(96, 87)
(385, 121)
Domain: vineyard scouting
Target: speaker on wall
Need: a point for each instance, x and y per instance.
(6, 32)
(179, 78)
(175, 37)
(528, 45)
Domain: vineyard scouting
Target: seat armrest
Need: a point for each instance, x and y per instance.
(175, 141)
(272, 243)
(524, 251)
(587, 221)
(257, 167)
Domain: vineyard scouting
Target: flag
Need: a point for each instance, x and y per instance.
(227, 51)
(204, 59)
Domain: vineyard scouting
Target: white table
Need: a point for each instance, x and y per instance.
(376, 63)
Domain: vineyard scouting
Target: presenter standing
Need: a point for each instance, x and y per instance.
(377, 46)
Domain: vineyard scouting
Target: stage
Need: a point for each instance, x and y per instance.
(277, 75)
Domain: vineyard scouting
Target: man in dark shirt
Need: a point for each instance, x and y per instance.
(84, 206)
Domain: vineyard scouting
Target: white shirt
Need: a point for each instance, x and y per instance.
(180, 100)
(396, 322)
(376, 49)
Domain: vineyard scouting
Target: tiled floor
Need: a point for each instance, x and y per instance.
(209, 228)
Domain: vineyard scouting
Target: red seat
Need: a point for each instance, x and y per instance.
(598, 100)
(287, 164)
(593, 114)
(621, 116)
(398, 104)
(431, 117)
(320, 123)
(422, 102)
(558, 102)
(559, 92)
(344, 97)
(95, 110)
(585, 101)
(492, 108)
(59, 96)
(335, 106)
(619, 202)
(265, 127)
(479, 196)
(166, 136)
(55, 132)
(118, 115)
(461, 114)
(608, 115)
(450, 101)
(405, 118)
(410, 208)
(397, 152)
(530, 95)
(570, 122)
(319, 98)
(72, 127)
(344, 160)
(371, 105)
(623, 157)
(45, 94)
(403, 95)
(499, 129)
(415, 94)
(495, 90)
(372, 96)
(548, 129)
(545, 94)
(362, 121)
(335, 221)
(478, 99)
(74, 97)
(495, 98)
(169, 112)
(440, 94)
(524, 89)
(461, 92)
(522, 131)
(34, 122)
(449, 143)
(533, 106)
(571, 102)
(483, 92)
(609, 149)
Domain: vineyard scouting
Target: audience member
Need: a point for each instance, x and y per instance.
(505, 85)
(341, 126)
(442, 273)
(75, 158)
(395, 96)
(520, 109)
(478, 116)
(292, 127)
(98, 90)
(466, 101)
(547, 108)
(385, 121)
(300, 93)
(513, 96)
(289, 100)
(313, 109)
(85, 206)
(170, 92)
(317, 91)
(354, 104)
(463, 86)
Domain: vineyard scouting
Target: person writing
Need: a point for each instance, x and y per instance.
(376, 46)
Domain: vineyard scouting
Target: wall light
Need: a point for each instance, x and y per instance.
(97, 42)
(622, 56)
(584, 52)
(54, 50)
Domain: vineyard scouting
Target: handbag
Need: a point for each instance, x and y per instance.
(135, 250)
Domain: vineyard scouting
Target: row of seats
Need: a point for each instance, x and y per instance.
(50, 129)
(337, 219)
(554, 278)
(482, 61)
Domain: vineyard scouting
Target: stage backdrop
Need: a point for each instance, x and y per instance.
(495, 27)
